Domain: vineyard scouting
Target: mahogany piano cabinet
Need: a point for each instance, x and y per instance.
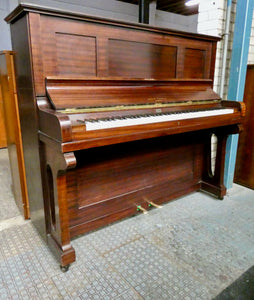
(119, 116)
(13, 132)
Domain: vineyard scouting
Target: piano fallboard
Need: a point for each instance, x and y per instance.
(103, 92)
(108, 111)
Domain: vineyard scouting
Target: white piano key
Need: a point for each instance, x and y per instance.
(142, 120)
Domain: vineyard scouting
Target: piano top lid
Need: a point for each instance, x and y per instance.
(21, 9)
(97, 92)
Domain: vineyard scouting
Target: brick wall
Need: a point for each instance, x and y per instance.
(211, 20)
(251, 49)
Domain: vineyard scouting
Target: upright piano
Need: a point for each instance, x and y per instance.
(116, 118)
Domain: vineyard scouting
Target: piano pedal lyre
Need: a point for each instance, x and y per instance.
(142, 209)
(150, 203)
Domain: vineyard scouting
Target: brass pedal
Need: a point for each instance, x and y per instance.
(140, 208)
(150, 203)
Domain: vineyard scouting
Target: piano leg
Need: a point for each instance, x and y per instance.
(54, 167)
(213, 182)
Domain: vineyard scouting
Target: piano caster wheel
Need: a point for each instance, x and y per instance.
(64, 268)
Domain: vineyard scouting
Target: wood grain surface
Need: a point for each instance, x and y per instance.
(13, 132)
(244, 173)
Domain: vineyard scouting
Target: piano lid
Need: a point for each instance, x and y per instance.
(96, 92)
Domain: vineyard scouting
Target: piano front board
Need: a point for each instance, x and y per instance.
(72, 45)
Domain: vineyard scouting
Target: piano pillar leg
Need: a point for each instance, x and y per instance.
(213, 182)
(54, 167)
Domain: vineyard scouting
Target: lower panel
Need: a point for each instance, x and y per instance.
(110, 182)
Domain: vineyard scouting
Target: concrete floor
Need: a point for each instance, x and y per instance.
(192, 248)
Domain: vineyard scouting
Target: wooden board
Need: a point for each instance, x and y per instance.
(103, 50)
(110, 181)
(3, 142)
(13, 132)
(244, 173)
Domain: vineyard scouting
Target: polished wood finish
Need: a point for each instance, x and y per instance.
(92, 178)
(110, 48)
(114, 91)
(3, 141)
(244, 173)
(28, 118)
(14, 138)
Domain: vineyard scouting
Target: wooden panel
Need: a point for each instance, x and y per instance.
(26, 79)
(65, 93)
(14, 139)
(76, 55)
(3, 142)
(36, 53)
(106, 171)
(114, 178)
(244, 171)
(69, 47)
(141, 60)
(194, 63)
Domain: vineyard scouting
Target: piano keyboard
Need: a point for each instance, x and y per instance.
(100, 124)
